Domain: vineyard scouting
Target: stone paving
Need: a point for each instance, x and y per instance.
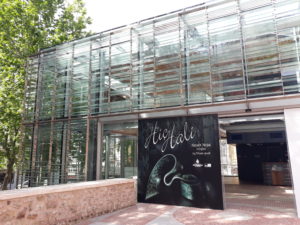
(245, 204)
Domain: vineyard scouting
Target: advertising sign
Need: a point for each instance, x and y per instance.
(179, 162)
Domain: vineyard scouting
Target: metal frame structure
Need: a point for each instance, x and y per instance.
(91, 71)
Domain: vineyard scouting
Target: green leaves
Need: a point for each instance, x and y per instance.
(28, 26)
(25, 28)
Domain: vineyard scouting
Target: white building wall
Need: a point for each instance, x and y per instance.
(292, 122)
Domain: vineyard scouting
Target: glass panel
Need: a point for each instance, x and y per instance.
(92, 152)
(95, 82)
(100, 80)
(168, 90)
(76, 154)
(80, 77)
(47, 79)
(120, 78)
(143, 66)
(222, 8)
(119, 157)
(30, 91)
(42, 156)
(289, 44)
(262, 60)
(196, 61)
(25, 172)
(289, 47)
(59, 130)
(119, 36)
(226, 59)
(188, 57)
(228, 159)
(63, 63)
(46, 171)
(250, 4)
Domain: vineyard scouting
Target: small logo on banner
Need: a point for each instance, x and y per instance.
(197, 164)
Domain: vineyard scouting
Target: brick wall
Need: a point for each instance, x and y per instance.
(66, 203)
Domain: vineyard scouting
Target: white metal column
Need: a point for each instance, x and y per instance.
(292, 123)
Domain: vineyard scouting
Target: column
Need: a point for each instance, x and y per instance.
(292, 123)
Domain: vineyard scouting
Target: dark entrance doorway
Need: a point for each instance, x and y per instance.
(263, 163)
(260, 148)
(261, 158)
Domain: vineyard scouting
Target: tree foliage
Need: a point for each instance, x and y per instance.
(26, 26)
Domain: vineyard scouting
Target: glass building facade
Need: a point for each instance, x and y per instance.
(216, 52)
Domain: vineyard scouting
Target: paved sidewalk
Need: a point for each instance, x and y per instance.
(245, 204)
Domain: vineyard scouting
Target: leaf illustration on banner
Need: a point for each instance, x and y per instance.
(166, 165)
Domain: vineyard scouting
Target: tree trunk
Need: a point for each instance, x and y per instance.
(8, 175)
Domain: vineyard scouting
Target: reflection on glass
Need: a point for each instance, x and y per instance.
(119, 79)
(30, 89)
(197, 60)
(226, 59)
(80, 78)
(119, 156)
(218, 51)
(143, 88)
(75, 152)
(261, 51)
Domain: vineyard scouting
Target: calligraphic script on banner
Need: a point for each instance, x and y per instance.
(179, 161)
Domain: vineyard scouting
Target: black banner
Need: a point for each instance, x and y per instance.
(179, 162)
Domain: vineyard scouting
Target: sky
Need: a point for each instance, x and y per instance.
(108, 14)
